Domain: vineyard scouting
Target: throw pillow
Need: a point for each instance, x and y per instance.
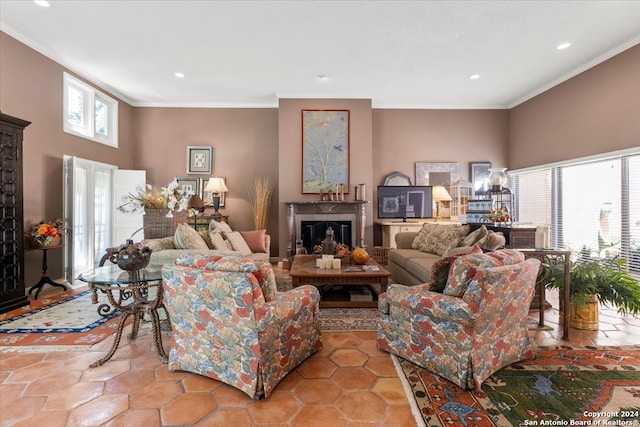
(218, 241)
(426, 229)
(205, 236)
(443, 237)
(160, 244)
(186, 237)
(219, 226)
(492, 241)
(255, 240)
(440, 270)
(474, 236)
(463, 250)
(238, 243)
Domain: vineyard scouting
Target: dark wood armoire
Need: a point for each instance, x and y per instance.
(12, 293)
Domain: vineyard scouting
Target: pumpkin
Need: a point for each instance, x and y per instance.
(359, 256)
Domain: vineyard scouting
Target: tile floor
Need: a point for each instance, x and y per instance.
(348, 383)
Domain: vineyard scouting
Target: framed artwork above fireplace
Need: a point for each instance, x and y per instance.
(325, 150)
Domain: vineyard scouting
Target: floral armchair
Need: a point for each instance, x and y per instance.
(230, 323)
(475, 327)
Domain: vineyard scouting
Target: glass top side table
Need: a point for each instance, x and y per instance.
(129, 292)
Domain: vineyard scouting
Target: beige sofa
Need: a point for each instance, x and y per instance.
(411, 262)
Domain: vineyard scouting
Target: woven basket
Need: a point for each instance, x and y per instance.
(157, 225)
(381, 255)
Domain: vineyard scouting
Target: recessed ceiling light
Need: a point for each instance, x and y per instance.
(475, 77)
(324, 77)
(563, 46)
(42, 3)
(179, 75)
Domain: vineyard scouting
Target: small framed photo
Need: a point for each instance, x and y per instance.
(199, 160)
(479, 174)
(207, 196)
(188, 183)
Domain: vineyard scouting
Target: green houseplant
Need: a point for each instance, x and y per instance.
(593, 279)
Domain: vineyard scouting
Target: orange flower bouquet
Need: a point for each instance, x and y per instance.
(45, 233)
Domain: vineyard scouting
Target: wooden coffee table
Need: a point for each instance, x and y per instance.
(304, 272)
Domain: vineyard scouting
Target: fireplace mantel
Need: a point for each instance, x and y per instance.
(326, 210)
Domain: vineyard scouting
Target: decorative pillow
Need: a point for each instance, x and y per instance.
(464, 268)
(443, 237)
(238, 243)
(186, 237)
(426, 229)
(255, 240)
(161, 244)
(440, 270)
(205, 236)
(463, 250)
(218, 241)
(267, 280)
(219, 226)
(492, 241)
(216, 262)
(474, 236)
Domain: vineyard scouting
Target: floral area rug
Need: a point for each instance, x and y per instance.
(65, 321)
(561, 386)
(349, 319)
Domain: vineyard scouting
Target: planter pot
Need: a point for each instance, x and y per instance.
(583, 317)
(157, 225)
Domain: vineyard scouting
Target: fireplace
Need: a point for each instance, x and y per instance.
(314, 232)
(340, 213)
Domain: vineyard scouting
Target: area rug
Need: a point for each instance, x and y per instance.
(66, 321)
(349, 319)
(561, 386)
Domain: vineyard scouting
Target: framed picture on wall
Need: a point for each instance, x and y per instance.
(207, 196)
(325, 150)
(199, 160)
(479, 174)
(188, 183)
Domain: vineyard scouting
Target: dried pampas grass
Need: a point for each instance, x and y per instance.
(260, 196)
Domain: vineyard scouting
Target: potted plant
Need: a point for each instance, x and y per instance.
(594, 280)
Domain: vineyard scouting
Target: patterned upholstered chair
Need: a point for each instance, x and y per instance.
(229, 322)
(474, 328)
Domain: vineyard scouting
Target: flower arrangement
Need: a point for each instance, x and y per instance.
(498, 215)
(171, 197)
(46, 233)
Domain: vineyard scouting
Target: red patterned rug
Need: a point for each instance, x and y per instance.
(562, 386)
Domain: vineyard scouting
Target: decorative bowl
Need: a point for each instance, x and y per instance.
(131, 257)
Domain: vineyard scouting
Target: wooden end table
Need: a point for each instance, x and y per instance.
(304, 272)
(45, 279)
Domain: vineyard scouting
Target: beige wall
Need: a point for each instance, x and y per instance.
(245, 145)
(595, 112)
(31, 89)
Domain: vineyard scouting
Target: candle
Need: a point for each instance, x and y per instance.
(336, 263)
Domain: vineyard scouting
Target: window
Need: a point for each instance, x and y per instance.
(591, 204)
(89, 113)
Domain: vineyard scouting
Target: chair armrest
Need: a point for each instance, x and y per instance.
(404, 239)
(419, 300)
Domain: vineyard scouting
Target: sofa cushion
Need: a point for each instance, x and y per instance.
(401, 256)
(219, 226)
(186, 237)
(255, 239)
(443, 237)
(162, 244)
(238, 243)
(464, 268)
(474, 236)
(421, 267)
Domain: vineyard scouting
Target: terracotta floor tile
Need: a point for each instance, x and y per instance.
(35, 372)
(381, 366)
(52, 383)
(130, 381)
(12, 361)
(277, 408)
(45, 418)
(354, 378)
(225, 417)
(317, 391)
(391, 390)
(99, 410)
(317, 368)
(136, 418)
(194, 383)
(156, 394)
(189, 408)
(10, 391)
(109, 370)
(230, 397)
(18, 409)
(348, 357)
(75, 395)
(361, 406)
(318, 416)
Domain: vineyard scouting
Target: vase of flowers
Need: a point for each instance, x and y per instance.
(45, 234)
(163, 208)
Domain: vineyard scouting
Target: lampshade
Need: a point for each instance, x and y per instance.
(195, 202)
(216, 185)
(440, 194)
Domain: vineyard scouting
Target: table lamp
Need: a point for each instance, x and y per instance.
(196, 203)
(216, 186)
(440, 194)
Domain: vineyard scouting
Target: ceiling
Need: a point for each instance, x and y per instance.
(399, 54)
